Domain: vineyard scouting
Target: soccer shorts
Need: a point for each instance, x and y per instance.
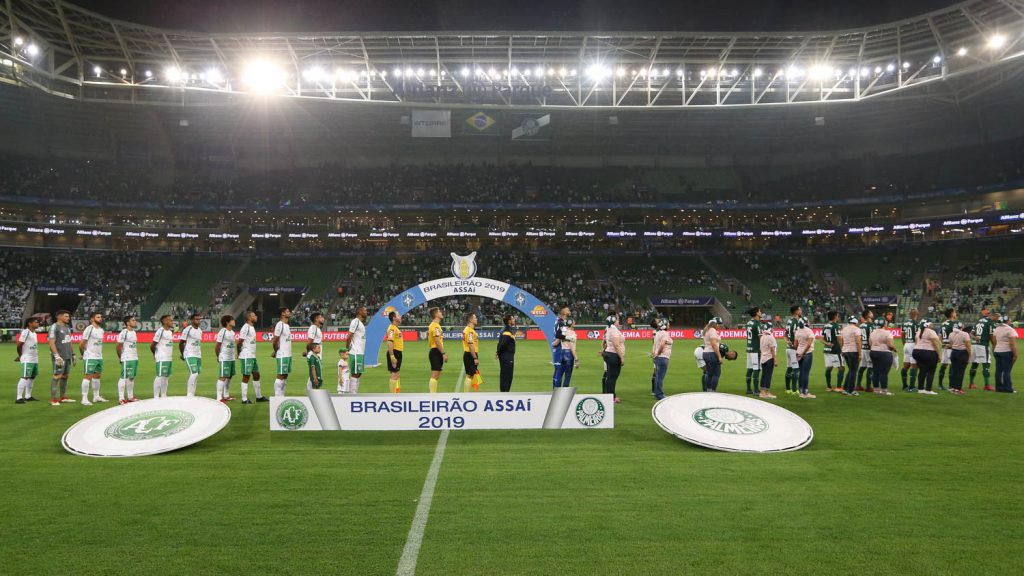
(62, 369)
(753, 360)
(865, 359)
(284, 366)
(195, 365)
(833, 360)
(908, 354)
(945, 355)
(791, 361)
(227, 369)
(436, 360)
(249, 366)
(468, 364)
(980, 354)
(357, 364)
(93, 366)
(129, 369)
(397, 364)
(698, 355)
(29, 370)
(163, 368)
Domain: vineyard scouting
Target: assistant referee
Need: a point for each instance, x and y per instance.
(437, 355)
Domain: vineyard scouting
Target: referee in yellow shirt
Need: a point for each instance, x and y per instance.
(437, 355)
(395, 347)
(470, 355)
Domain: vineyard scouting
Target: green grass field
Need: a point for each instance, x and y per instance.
(902, 485)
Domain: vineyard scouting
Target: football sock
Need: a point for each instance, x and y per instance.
(220, 389)
(467, 383)
(227, 388)
(750, 371)
(156, 387)
(193, 381)
(974, 371)
(913, 377)
(21, 389)
(278, 387)
(95, 388)
(130, 386)
(256, 388)
(28, 387)
(903, 376)
(942, 374)
(870, 376)
(245, 390)
(985, 374)
(755, 377)
(54, 386)
(353, 386)
(165, 383)
(120, 389)
(85, 389)
(828, 378)
(432, 385)
(63, 386)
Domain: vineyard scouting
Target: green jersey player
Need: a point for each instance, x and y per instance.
(945, 330)
(753, 350)
(833, 350)
(867, 326)
(980, 348)
(911, 326)
(792, 365)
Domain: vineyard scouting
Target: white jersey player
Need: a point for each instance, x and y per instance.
(357, 348)
(191, 349)
(226, 349)
(28, 355)
(247, 358)
(282, 350)
(163, 354)
(91, 348)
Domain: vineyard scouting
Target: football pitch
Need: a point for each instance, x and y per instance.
(902, 485)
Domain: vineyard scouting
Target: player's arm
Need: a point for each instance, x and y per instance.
(51, 341)
(21, 343)
(85, 338)
(473, 349)
(120, 348)
(439, 340)
(391, 347)
(238, 344)
(277, 340)
(181, 343)
(156, 338)
(220, 343)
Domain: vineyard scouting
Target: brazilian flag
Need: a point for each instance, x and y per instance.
(481, 124)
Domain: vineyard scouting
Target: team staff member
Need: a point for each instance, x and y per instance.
(28, 356)
(437, 356)
(926, 352)
(506, 353)
(471, 355)
(910, 328)
(769, 350)
(831, 335)
(613, 350)
(1004, 348)
(882, 353)
(804, 356)
(661, 353)
(712, 354)
(852, 347)
(396, 345)
(63, 356)
(982, 343)
(959, 357)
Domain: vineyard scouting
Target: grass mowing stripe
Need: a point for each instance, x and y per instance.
(411, 552)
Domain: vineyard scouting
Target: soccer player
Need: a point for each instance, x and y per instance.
(470, 355)
(926, 352)
(315, 333)
(980, 348)
(63, 356)
(316, 367)
(396, 345)
(247, 358)
(852, 348)
(867, 325)
(282, 353)
(190, 348)
(768, 355)
(506, 353)
(910, 327)
(831, 335)
(91, 348)
(1004, 348)
(357, 348)
(567, 344)
(556, 348)
(163, 354)
(792, 365)
(945, 330)
(882, 352)
(225, 351)
(128, 356)
(344, 376)
(753, 349)
(435, 339)
(28, 355)
(804, 356)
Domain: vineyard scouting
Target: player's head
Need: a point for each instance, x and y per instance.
(755, 312)
(509, 319)
(95, 318)
(730, 355)
(343, 352)
(317, 318)
(993, 315)
(166, 321)
(950, 313)
(796, 310)
(471, 319)
(227, 321)
(63, 316)
(129, 322)
(250, 317)
(833, 316)
(194, 320)
(361, 312)
(914, 313)
(434, 313)
(867, 314)
(32, 323)
(284, 313)
(395, 317)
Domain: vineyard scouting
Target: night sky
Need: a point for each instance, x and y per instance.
(591, 15)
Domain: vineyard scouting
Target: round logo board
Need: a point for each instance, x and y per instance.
(731, 423)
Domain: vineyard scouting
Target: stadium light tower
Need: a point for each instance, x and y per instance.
(262, 76)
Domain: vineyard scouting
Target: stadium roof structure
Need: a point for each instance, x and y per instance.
(958, 52)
